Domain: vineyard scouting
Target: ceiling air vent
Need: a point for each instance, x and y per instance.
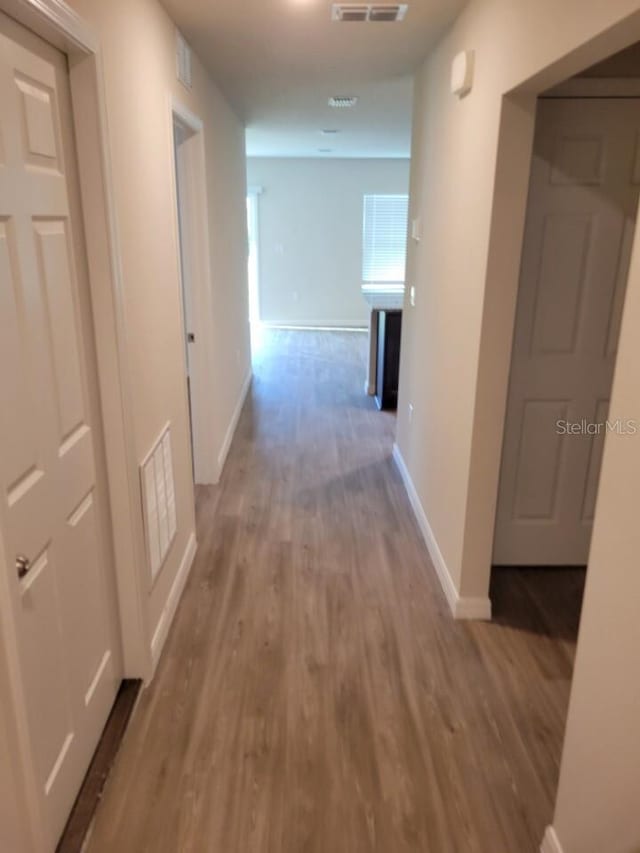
(369, 12)
(343, 101)
(387, 14)
(349, 13)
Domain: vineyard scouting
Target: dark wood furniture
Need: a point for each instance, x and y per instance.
(388, 372)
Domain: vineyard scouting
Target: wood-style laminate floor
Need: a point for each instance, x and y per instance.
(315, 693)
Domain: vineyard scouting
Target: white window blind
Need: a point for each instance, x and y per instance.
(384, 238)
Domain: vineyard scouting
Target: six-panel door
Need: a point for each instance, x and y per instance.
(583, 197)
(49, 513)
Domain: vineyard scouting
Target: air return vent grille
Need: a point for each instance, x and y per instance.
(183, 60)
(343, 102)
(368, 12)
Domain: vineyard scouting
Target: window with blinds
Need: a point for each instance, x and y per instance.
(384, 238)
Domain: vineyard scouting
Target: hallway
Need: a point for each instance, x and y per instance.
(314, 693)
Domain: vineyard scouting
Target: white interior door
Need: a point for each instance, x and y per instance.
(583, 198)
(181, 135)
(52, 515)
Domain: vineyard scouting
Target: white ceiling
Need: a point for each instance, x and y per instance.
(278, 61)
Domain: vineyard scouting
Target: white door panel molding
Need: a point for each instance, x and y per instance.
(581, 211)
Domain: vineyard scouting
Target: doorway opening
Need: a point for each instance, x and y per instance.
(253, 195)
(181, 134)
(580, 221)
(192, 235)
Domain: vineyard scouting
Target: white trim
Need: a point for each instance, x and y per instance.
(596, 87)
(165, 621)
(107, 293)
(473, 607)
(551, 842)
(375, 287)
(56, 22)
(191, 229)
(448, 587)
(293, 328)
(184, 115)
(235, 417)
(372, 362)
(461, 607)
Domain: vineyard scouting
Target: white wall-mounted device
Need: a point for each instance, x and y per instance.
(462, 73)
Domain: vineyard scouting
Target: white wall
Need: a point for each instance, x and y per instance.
(138, 55)
(310, 224)
(598, 805)
(470, 168)
(456, 341)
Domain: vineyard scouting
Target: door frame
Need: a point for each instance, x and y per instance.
(61, 27)
(575, 89)
(194, 241)
(511, 185)
(254, 193)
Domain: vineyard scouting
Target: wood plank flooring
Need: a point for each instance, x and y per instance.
(315, 693)
(87, 801)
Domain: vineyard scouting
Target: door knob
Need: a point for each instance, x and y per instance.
(23, 564)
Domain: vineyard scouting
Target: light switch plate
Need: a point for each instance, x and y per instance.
(412, 296)
(416, 229)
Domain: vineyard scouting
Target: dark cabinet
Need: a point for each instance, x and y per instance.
(388, 366)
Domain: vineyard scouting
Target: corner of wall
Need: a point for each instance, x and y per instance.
(161, 631)
(233, 423)
(462, 607)
(551, 842)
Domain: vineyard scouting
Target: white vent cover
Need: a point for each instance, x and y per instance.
(369, 12)
(342, 102)
(159, 501)
(183, 60)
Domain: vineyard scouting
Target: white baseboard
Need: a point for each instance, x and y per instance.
(551, 842)
(169, 610)
(473, 607)
(462, 607)
(233, 423)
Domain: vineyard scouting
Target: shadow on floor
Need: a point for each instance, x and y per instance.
(544, 600)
